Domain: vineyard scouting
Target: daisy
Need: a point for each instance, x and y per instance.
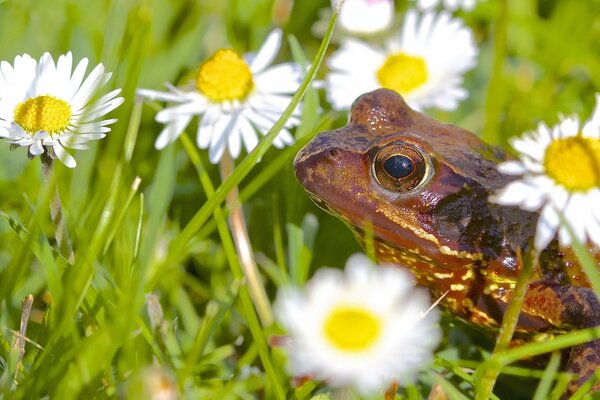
(235, 96)
(559, 170)
(450, 5)
(424, 63)
(46, 106)
(366, 327)
(365, 16)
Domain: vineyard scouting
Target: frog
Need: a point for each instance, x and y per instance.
(417, 191)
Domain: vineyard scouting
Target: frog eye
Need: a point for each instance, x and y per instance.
(399, 167)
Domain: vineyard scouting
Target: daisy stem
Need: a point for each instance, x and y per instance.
(60, 234)
(239, 231)
(488, 372)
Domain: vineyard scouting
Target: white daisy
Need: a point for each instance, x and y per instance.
(44, 106)
(450, 5)
(235, 97)
(365, 328)
(365, 16)
(559, 171)
(425, 63)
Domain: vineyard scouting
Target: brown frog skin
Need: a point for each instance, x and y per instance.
(421, 187)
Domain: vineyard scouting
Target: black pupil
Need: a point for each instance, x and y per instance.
(399, 166)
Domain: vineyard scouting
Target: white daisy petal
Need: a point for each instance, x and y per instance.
(427, 4)
(568, 127)
(36, 148)
(591, 129)
(365, 16)
(95, 80)
(512, 168)
(100, 110)
(576, 216)
(63, 156)
(172, 113)
(267, 52)
(234, 140)
(172, 131)
(76, 78)
(219, 138)
(522, 193)
(277, 79)
(204, 133)
(64, 67)
(546, 227)
(158, 95)
(46, 76)
(248, 133)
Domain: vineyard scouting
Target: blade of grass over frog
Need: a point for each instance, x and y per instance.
(450, 389)
(459, 371)
(507, 370)
(542, 391)
(229, 248)
(488, 372)
(556, 343)
(585, 389)
(369, 240)
(412, 393)
(243, 169)
(562, 382)
(303, 391)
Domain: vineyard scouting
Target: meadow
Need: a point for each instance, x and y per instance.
(153, 302)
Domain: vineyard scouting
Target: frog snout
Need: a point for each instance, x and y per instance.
(318, 157)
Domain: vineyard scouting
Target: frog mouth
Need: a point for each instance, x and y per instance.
(321, 203)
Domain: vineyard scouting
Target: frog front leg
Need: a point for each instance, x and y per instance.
(569, 307)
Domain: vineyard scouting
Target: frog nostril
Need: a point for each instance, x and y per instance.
(333, 153)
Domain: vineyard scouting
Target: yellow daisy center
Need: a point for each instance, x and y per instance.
(43, 113)
(402, 73)
(574, 162)
(225, 76)
(352, 328)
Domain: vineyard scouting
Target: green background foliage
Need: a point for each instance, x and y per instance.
(98, 325)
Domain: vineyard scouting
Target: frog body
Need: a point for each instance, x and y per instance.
(421, 188)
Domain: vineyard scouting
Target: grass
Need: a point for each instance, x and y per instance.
(156, 291)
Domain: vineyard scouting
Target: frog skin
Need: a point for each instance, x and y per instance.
(420, 188)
